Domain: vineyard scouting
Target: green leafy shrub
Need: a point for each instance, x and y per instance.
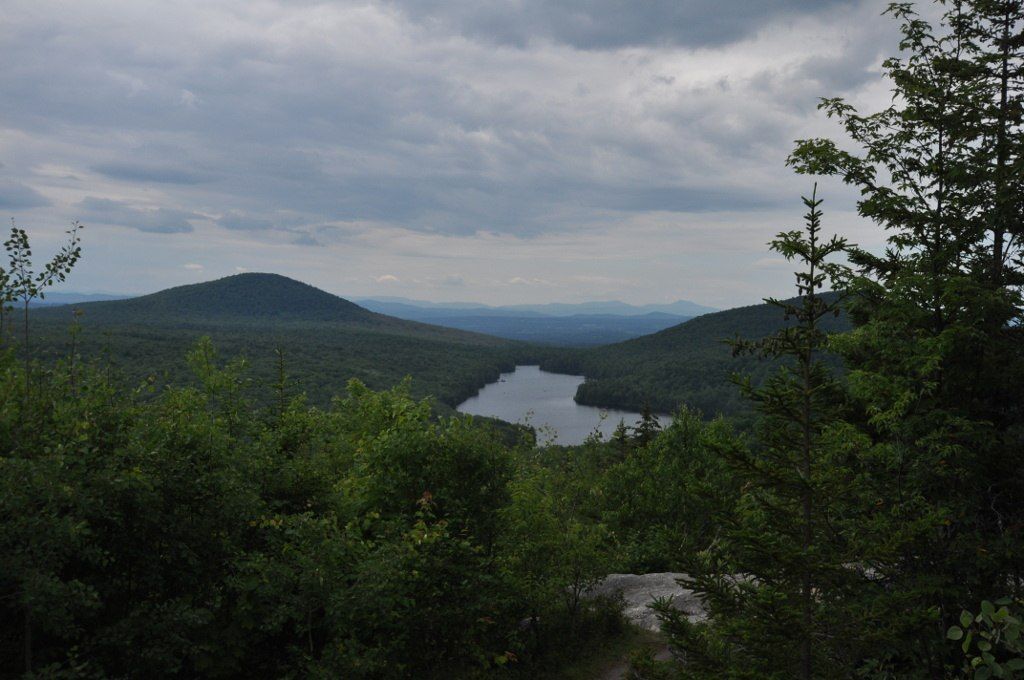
(991, 640)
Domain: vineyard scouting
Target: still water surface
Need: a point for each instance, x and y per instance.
(545, 401)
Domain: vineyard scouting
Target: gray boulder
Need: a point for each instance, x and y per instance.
(638, 591)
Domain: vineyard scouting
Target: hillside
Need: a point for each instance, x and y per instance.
(689, 363)
(325, 339)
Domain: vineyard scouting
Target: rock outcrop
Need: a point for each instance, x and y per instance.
(639, 591)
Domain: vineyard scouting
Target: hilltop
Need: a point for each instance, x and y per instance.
(247, 296)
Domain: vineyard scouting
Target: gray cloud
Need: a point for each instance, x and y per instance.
(158, 220)
(607, 24)
(386, 124)
(18, 196)
(139, 172)
(239, 222)
(304, 239)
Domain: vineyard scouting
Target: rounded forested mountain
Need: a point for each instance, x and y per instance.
(240, 297)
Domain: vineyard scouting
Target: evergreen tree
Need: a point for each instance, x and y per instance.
(935, 363)
(621, 440)
(785, 582)
(994, 29)
(647, 427)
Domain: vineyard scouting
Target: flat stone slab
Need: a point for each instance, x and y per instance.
(638, 591)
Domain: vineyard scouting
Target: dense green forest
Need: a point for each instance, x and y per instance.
(197, 534)
(868, 523)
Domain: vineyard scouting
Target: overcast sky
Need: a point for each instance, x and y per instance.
(501, 151)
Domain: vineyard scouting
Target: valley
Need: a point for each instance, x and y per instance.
(320, 341)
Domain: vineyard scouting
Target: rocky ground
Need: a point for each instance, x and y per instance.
(638, 592)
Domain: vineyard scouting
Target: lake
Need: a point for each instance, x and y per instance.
(544, 401)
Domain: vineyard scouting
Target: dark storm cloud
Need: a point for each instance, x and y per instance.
(17, 196)
(605, 24)
(158, 220)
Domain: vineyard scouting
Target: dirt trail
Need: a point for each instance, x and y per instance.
(618, 671)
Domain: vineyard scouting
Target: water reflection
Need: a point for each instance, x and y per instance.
(545, 401)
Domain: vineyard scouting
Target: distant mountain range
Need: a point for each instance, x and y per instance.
(397, 306)
(561, 324)
(52, 299)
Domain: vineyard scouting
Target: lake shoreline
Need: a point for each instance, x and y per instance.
(546, 402)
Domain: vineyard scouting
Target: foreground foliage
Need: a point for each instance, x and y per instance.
(193, 533)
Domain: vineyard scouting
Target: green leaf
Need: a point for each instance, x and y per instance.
(1015, 664)
(955, 633)
(966, 619)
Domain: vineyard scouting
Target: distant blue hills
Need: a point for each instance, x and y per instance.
(397, 306)
(76, 298)
(558, 323)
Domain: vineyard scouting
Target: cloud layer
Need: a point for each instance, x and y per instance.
(432, 141)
